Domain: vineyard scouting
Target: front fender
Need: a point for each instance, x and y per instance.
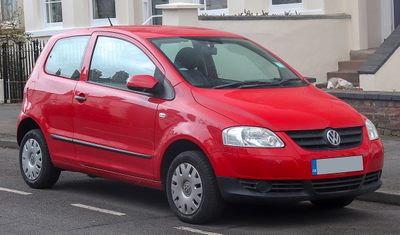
(196, 124)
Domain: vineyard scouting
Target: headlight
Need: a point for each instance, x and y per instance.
(245, 136)
(372, 132)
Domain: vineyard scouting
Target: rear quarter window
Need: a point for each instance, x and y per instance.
(65, 59)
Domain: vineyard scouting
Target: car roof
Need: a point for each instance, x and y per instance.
(152, 31)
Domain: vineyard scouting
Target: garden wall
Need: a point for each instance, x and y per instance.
(382, 108)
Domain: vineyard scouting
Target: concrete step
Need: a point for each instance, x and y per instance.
(362, 54)
(349, 75)
(350, 65)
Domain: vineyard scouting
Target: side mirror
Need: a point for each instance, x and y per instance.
(141, 83)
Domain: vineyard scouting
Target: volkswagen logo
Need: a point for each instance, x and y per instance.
(333, 138)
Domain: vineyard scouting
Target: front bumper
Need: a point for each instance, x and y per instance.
(265, 191)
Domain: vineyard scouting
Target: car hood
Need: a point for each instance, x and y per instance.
(280, 109)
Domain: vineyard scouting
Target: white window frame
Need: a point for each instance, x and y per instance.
(282, 8)
(44, 15)
(212, 12)
(102, 22)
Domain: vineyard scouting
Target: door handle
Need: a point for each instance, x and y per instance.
(80, 98)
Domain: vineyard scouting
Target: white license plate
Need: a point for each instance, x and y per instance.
(337, 165)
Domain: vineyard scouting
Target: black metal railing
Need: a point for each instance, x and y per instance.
(17, 61)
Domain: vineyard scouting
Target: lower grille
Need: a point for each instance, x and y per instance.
(275, 186)
(337, 184)
(372, 177)
(320, 186)
(286, 186)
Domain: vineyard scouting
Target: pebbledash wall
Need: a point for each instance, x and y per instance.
(382, 108)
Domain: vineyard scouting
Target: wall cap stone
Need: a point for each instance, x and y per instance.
(365, 95)
(179, 5)
(274, 17)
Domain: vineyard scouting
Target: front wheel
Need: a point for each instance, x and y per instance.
(333, 203)
(34, 159)
(192, 189)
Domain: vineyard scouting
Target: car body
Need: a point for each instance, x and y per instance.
(208, 116)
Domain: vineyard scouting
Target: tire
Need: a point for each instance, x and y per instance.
(333, 203)
(34, 160)
(192, 189)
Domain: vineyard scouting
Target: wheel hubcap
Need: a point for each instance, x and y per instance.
(31, 159)
(186, 189)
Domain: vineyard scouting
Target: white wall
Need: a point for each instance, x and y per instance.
(379, 81)
(254, 6)
(374, 23)
(33, 15)
(77, 14)
(336, 6)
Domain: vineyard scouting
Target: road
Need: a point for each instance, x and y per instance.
(78, 204)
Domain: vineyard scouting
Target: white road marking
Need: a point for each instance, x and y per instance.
(196, 231)
(99, 209)
(14, 191)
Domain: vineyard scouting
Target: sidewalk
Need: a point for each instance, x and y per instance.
(388, 193)
(8, 124)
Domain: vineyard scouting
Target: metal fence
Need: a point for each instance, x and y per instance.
(17, 61)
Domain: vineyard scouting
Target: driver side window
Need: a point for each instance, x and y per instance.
(115, 60)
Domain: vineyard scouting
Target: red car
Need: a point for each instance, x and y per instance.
(208, 116)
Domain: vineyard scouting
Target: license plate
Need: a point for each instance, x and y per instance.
(337, 165)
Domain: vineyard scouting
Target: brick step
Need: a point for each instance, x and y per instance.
(349, 75)
(350, 65)
(361, 54)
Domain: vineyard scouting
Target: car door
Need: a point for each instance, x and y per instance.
(114, 126)
(54, 95)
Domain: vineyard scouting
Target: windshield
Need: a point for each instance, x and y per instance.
(225, 63)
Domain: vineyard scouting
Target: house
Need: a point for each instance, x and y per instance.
(311, 35)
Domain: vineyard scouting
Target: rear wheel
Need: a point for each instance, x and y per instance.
(192, 189)
(333, 203)
(34, 159)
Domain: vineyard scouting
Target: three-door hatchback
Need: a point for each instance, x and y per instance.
(205, 115)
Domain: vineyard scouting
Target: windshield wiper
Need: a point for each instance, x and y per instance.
(251, 84)
(240, 85)
(287, 80)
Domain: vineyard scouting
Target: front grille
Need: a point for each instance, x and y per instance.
(372, 177)
(337, 184)
(278, 186)
(315, 140)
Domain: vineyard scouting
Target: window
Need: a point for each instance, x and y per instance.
(52, 12)
(279, 2)
(213, 7)
(102, 10)
(232, 55)
(281, 6)
(218, 62)
(9, 9)
(115, 60)
(65, 59)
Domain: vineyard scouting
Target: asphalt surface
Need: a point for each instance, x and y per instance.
(389, 192)
(78, 204)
